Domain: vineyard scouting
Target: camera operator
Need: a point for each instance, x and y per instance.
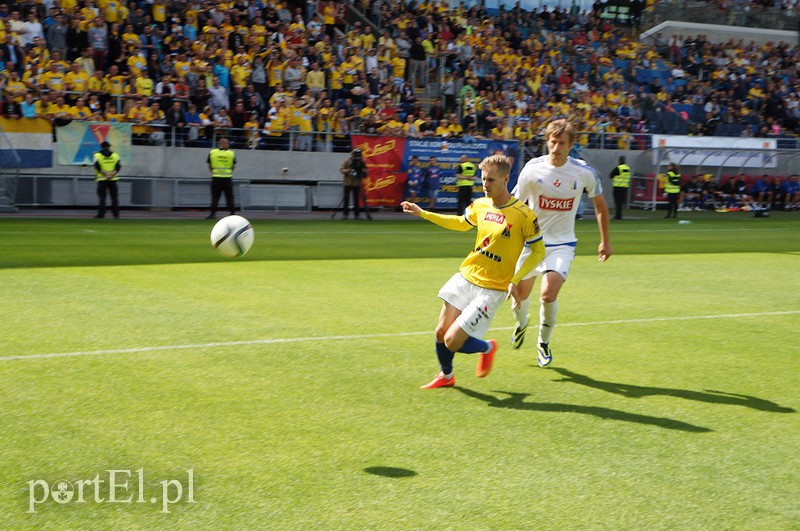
(354, 171)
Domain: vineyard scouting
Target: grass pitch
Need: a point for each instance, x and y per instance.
(287, 381)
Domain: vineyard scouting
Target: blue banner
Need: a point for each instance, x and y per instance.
(447, 154)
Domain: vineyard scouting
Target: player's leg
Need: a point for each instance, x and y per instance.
(555, 268)
(522, 311)
(550, 287)
(447, 317)
(454, 295)
(467, 332)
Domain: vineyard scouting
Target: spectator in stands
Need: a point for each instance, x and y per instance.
(97, 37)
(28, 106)
(218, 96)
(176, 119)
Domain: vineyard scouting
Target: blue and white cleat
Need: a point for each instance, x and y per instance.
(545, 356)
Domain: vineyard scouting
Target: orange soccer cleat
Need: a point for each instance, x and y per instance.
(440, 381)
(486, 361)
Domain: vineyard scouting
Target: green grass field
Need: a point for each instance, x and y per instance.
(287, 381)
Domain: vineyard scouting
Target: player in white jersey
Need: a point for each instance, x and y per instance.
(552, 186)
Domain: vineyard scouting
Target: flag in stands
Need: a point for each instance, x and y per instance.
(26, 143)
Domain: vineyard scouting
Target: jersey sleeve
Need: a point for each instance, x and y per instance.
(593, 185)
(470, 215)
(532, 231)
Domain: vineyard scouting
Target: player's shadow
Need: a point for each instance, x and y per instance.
(637, 391)
(517, 401)
(390, 471)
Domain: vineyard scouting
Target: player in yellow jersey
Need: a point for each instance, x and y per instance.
(486, 278)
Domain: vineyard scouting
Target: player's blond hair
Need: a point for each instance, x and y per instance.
(558, 128)
(501, 162)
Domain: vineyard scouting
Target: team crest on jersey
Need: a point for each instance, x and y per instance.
(557, 183)
(548, 203)
(495, 217)
(507, 231)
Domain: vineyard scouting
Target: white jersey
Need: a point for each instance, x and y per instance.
(554, 193)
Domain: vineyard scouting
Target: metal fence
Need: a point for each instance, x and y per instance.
(332, 142)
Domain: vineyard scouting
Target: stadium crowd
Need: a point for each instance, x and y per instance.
(258, 71)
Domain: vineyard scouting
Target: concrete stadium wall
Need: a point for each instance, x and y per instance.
(190, 163)
(165, 178)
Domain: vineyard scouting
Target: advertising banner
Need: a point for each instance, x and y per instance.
(78, 142)
(383, 156)
(448, 153)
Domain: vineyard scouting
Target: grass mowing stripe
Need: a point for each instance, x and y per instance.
(366, 336)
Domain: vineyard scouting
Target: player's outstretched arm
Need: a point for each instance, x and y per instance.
(411, 208)
(458, 223)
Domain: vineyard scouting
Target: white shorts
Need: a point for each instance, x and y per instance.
(557, 258)
(478, 305)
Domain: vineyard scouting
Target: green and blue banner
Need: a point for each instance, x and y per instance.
(78, 142)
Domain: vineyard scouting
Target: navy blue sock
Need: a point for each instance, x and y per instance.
(473, 345)
(445, 356)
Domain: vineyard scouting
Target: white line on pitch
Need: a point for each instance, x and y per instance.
(366, 336)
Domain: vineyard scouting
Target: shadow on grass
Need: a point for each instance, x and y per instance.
(390, 472)
(636, 391)
(517, 401)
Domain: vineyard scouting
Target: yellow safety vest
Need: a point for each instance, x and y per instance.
(623, 177)
(466, 169)
(221, 161)
(106, 164)
(673, 185)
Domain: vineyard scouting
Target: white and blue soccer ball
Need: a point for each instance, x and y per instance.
(232, 236)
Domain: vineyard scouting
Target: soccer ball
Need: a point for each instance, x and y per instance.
(232, 236)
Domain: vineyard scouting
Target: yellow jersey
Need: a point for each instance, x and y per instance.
(502, 233)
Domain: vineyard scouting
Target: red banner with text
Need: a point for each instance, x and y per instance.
(383, 155)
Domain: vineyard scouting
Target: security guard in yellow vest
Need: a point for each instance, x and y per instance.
(621, 179)
(106, 169)
(673, 190)
(465, 180)
(221, 162)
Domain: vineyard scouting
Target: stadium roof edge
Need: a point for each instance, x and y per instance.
(720, 33)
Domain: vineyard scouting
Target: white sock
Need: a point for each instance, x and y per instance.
(547, 320)
(521, 313)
